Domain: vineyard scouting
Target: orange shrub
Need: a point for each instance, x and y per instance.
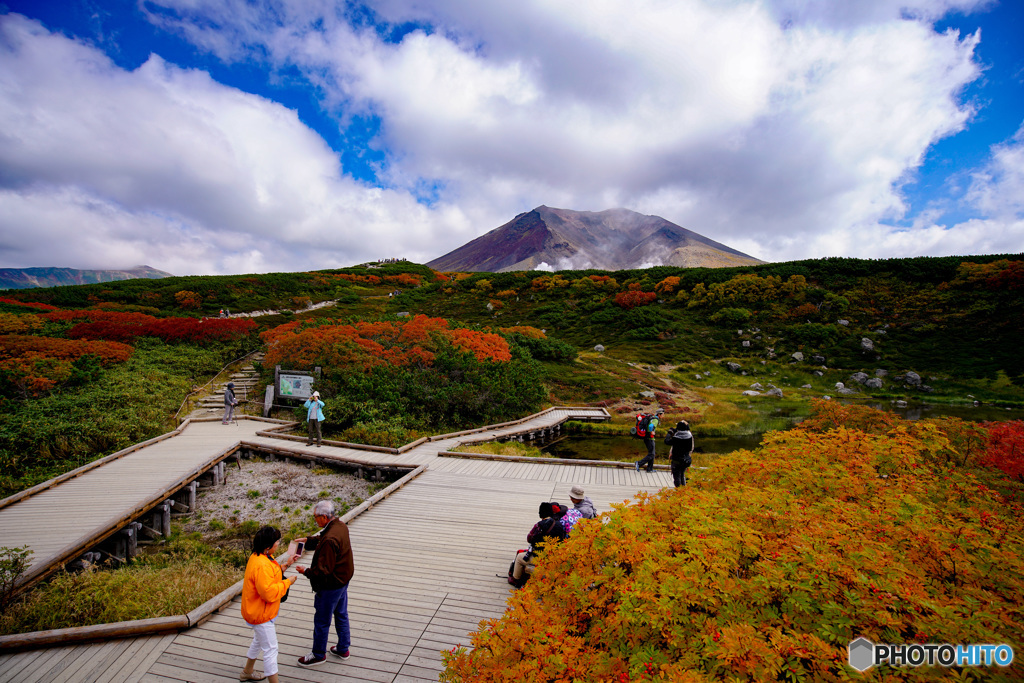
(767, 568)
(188, 300)
(372, 344)
(632, 298)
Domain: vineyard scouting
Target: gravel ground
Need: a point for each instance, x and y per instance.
(276, 493)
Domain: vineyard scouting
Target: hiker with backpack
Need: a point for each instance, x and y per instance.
(646, 424)
(548, 530)
(680, 452)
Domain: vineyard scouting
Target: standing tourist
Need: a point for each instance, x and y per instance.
(262, 589)
(648, 461)
(314, 416)
(229, 403)
(680, 451)
(329, 572)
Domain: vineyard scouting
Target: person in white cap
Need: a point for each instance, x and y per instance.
(314, 416)
(581, 503)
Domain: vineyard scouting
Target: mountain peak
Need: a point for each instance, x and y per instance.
(613, 239)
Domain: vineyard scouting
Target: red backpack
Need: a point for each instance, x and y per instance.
(643, 426)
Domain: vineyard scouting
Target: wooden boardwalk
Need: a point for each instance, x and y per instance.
(426, 559)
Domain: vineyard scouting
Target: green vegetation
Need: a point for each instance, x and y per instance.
(125, 404)
(954, 321)
(173, 582)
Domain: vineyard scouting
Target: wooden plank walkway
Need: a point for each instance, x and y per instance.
(426, 560)
(108, 493)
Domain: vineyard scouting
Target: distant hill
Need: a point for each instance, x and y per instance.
(27, 278)
(616, 239)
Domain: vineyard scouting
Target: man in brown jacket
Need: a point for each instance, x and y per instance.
(329, 574)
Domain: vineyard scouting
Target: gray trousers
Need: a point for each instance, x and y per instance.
(314, 429)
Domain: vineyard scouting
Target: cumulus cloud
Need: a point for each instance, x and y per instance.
(165, 165)
(764, 123)
(783, 128)
(998, 189)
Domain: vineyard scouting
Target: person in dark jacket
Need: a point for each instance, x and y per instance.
(229, 403)
(548, 530)
(680, 452)
(329, 573)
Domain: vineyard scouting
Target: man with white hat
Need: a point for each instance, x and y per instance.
(581, 503)
(314, 416)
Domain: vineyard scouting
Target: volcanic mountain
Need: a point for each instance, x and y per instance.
(616, 239)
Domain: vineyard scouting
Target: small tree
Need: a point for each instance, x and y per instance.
(13, 563)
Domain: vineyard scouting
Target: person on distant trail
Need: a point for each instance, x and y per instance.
(680, 452)
(262, 589)
(581, 503)
(329, 574)
(548, 530)
(648, 461)
(314, 416)
(229, 403)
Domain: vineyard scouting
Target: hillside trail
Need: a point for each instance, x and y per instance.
(662, 372)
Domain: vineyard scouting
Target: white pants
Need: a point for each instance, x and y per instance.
(264, 639)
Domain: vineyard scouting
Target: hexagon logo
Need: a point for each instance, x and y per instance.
(862, 654)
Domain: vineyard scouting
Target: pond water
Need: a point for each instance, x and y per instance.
(625, 448)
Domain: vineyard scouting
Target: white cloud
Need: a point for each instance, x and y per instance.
(998, 189)
(714, 115)
(783, 128)
(166, 166)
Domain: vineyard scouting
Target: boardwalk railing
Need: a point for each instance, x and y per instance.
(181, 622)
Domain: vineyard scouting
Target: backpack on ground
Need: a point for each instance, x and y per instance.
(643, 426)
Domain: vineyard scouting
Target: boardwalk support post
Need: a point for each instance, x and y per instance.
(164, 510)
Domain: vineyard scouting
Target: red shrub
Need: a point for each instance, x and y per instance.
(29, 304)
(633, 298)
(1005, 449)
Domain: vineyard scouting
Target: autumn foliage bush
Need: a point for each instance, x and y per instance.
(769, 564)
(124, 326)
(34, 365)
(1005, 450)
(389, 377)
(633, 298)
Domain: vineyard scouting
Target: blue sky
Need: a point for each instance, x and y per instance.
(227, 136)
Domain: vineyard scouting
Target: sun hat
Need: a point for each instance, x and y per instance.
(576, 491)
(316, 394)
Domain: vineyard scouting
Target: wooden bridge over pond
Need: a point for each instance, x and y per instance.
(427, 549)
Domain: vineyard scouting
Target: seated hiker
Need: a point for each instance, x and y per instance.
(548, 530)
(582, 503)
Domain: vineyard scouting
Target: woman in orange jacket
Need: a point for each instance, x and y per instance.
(262, 590)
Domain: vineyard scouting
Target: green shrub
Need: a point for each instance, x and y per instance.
(731, 316)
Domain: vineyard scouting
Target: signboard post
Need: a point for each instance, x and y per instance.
(296, 385)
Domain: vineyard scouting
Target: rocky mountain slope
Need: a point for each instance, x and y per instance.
(615, 239)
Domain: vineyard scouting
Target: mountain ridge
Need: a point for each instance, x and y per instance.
(613, 239)
(29, 278)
